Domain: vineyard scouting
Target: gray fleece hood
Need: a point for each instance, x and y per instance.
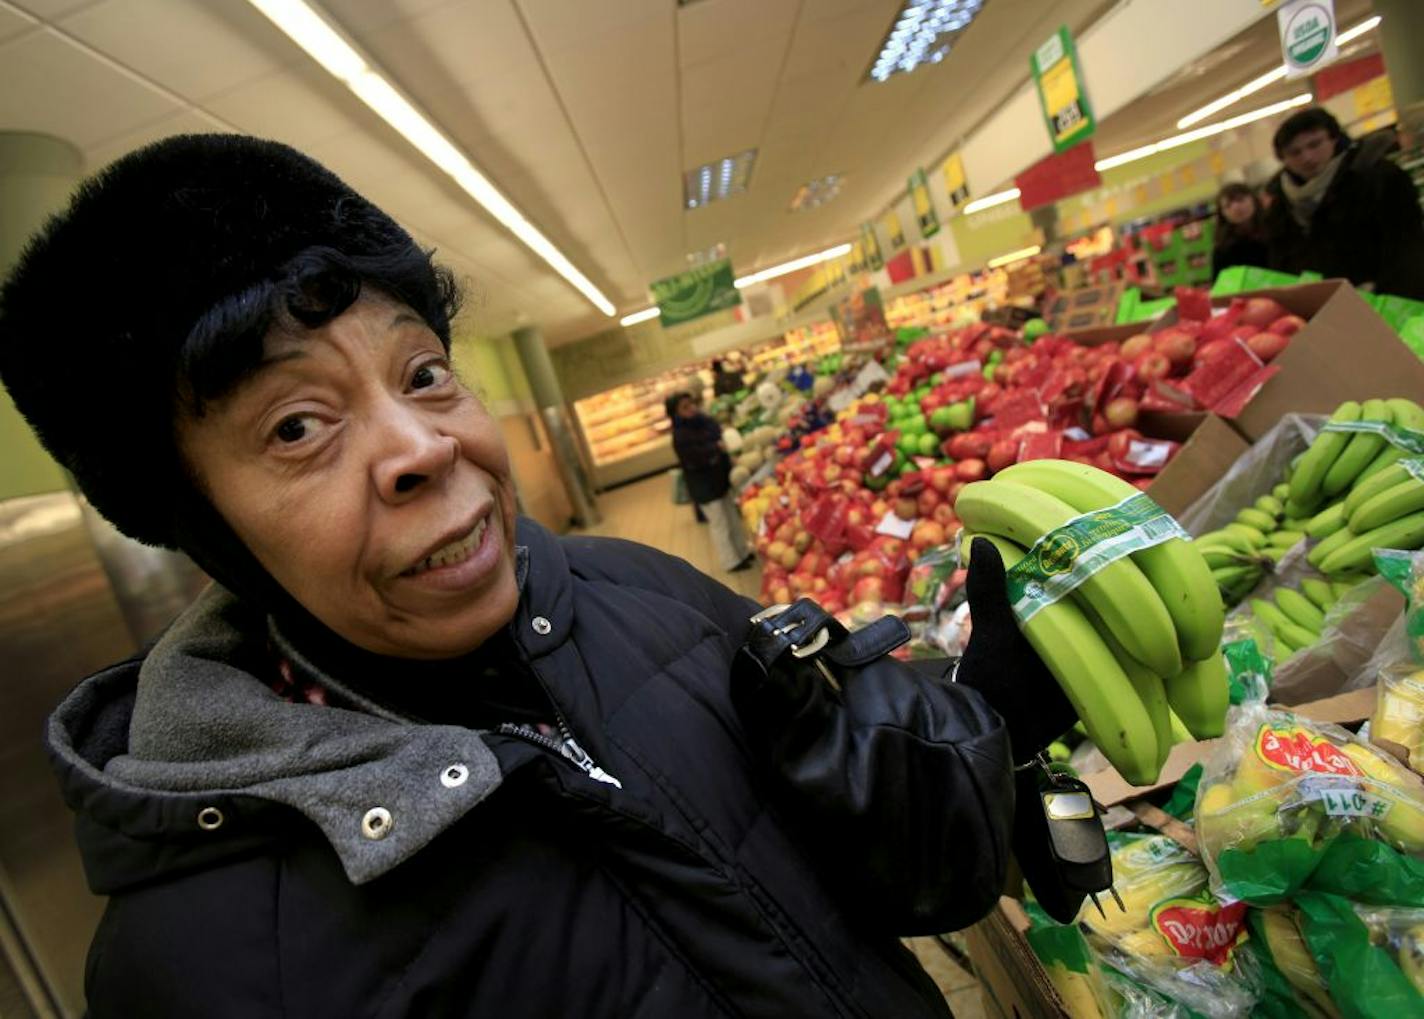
(188, 757)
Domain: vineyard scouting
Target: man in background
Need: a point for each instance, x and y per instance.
(1341, 208)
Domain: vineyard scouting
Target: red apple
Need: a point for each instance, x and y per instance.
(906, 508)
(1261, 312)
(868, 589)
(1121, 413)
(927, 534)
(1100, 425)
(1152, 366)
(1286, 325)
(781, 594)
(954, 489)
(1002, 454)
(870, 566)
(800, 583)
(1213, 348)
(967, 445)
(939, 478)
(1178, 347)
(1244, 332)
(972, 469)
(944, 516)
(844, 456)
(927, 501)
(1268, 345)
(1134, 346)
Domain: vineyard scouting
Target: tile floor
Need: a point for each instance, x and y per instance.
(644, 511)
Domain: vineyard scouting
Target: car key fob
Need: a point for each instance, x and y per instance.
(1059, 841)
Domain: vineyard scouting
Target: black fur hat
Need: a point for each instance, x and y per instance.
(96, 318)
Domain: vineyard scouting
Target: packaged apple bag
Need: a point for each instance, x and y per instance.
(1286, 803)
(1174, 935)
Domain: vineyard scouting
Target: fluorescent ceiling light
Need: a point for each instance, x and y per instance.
(712, 182)
(1014, 256)
(922, 34)
(639, 316)
(323, 43)
(1132, 155)
(1269, 78)
(816, 192)
(761, 275)
(1351, 34)
(989, 201)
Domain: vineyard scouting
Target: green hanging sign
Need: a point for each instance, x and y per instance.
(1060, 91)
(701, 291)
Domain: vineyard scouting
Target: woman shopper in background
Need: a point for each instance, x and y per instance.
(1342, 209)
(411, 755)
(707, 469)
(1240, 234)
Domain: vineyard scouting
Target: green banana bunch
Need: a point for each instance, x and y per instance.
(1129, 605)
(1308, 477)
(1107, 703)
(1155, 613)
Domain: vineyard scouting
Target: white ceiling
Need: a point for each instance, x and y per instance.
(584, 113)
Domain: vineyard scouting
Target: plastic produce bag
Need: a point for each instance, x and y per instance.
(1292, 984)
(1370, 957)
(1071, 966)
(1280, 789)
(1175, 936)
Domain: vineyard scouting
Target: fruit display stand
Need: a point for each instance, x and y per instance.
(626, 428)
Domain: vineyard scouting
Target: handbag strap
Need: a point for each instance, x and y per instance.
(804, 629)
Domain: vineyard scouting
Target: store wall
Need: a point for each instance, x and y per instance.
(490, 366)
(37, 173)
(621, 355)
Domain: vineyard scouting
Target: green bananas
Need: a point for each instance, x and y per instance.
(1309, 475)
(1107, 703)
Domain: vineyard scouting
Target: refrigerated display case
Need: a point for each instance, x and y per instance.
(626, 428)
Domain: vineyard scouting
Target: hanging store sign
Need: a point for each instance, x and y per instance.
(894, 230)
(700, 291)
(1307, 30)
(870, 245)
(925, 214)
(1061, 95)
(1058, 176)
(954, 181)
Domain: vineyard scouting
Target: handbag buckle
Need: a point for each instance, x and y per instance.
(819, 641)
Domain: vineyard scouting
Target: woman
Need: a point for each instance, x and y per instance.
(706, 468)
(1240, 236)
(411, 755)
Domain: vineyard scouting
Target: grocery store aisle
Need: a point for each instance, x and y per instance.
(644, 512)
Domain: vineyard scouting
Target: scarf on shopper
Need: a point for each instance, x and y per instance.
(1306, 196)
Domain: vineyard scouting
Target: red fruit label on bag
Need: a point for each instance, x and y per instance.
(1297, 750)
(1201, 927)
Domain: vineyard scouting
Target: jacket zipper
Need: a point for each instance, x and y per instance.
(567, 748)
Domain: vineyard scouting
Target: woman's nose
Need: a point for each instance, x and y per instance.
(410, 452)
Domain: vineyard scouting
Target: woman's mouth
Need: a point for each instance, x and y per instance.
(455, 552)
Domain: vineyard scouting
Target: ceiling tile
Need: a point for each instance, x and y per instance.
(14, 24)
(85, 100)
(711, 29)
(363, 16)
(172, 41)
(182, 122)
(302, 106)
(51, 10)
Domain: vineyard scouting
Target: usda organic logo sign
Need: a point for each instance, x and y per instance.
(1307, 33)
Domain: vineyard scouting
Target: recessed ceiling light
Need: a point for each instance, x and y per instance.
(815, 193)
(721, 178)
(922, 34)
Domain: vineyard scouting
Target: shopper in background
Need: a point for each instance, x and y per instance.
(725, 379)
(412, 755)
(707, 469)
(1342, 209)
(1240, 233)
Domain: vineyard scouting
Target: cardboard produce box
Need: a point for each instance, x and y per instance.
(1209, 447)
(1011, 974)
(1344, 352)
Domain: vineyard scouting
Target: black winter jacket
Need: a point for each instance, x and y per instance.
(234, 831)
(1367, 229)
(705, 465)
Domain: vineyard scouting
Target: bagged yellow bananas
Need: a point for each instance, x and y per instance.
(1174, 936)
(1280, 789)
(1398, 722)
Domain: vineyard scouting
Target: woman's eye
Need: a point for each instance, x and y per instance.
(430, 374)
(294, 428)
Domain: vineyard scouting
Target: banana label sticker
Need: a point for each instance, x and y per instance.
(1298, 750)
(1403, 438)
(1062, 559)
(1201, 927)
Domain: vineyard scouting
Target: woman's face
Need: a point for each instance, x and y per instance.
(369, 482)
(1238, 209)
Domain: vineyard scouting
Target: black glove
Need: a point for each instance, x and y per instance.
(1000, 664)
